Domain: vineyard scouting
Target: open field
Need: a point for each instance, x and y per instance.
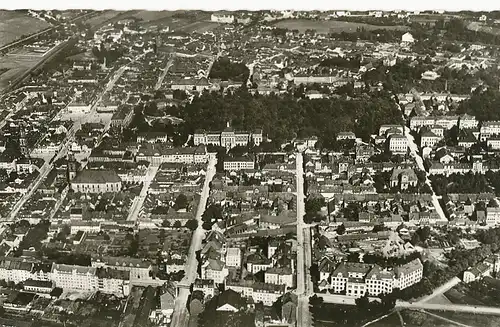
(439, 299)
(199, 27)
(148, 16)
(102, 17)
(478, 27)
(470, 319)
(413, 318)
(14, 66)
(331, 26)
(15, 24)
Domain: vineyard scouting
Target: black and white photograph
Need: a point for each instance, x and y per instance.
(217, 164)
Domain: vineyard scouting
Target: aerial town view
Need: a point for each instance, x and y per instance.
(270, 168)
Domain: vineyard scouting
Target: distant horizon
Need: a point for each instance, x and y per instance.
(428, 11)
(256, 5)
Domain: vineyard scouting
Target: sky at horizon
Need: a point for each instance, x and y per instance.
(448, 5)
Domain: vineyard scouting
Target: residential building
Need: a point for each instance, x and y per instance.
(122, 116)
(74, 277)
(38, 286)
(233, 257)
(403, 178)
(279, 276)
(398, 144)
(96, 181)
(429, 139)
(489, 129)
(139, 269)
(240, 163)
(467, 121)
(113, 281)
(214, 269)
(15, 269)
(207, 286)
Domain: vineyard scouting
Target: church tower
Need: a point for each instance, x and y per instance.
(71, 167)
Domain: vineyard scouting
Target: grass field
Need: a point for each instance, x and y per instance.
(15, 24)
(330, 26)
(13, 67)
(471, 319)
(478, 27)
(102, 17)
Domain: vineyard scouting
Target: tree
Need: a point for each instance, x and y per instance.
(192, 224)
(341, 229)
(177, 224)
(181, 202)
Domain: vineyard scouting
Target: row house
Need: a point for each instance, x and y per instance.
(264, 293)
(489, 129)
(447, 122)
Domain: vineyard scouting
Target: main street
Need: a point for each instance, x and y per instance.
(164, 73)
(420, 163)
(304, 282)
(139, 200)
(180, 317)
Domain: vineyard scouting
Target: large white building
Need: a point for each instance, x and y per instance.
(215, 270)
(221, 17)
(398, 144)
(96, 181)
(158, 154)
(279, 276)
(140, 270)
(358, 279)
(74, 277)
(228, 138)
(242, 163)
(233, 257)
(16, 270)
(467, 121)
(489, 129)
(447, 122)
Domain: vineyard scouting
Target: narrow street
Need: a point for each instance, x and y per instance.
(180, 317)
(304, 283)
(442, 289)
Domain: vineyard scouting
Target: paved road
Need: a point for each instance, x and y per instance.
(442, 289)
(304, 282)
(420, 163)
(449, 307)
(164, 73)
(180, 317)
(139, 200)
